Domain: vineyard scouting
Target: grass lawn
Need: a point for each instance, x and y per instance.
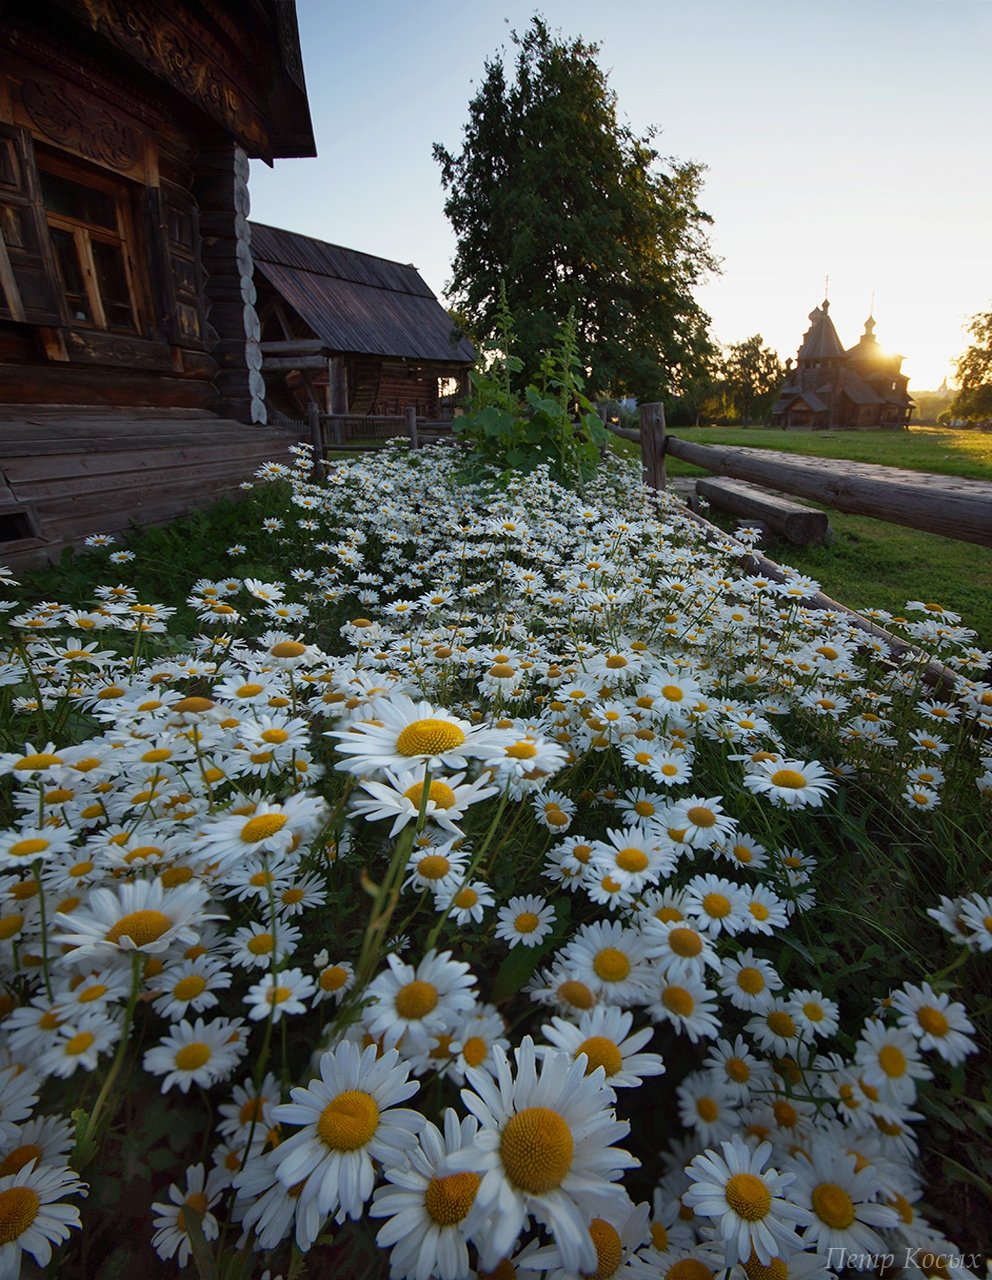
(871, 563)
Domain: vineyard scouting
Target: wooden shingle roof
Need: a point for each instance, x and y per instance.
(357, 303)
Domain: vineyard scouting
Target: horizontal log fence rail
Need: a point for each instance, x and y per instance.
(968, 516)
(947, 505)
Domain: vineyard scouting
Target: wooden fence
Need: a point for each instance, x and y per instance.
(947, 505)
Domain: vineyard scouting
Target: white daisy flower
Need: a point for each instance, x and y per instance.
(79, 1044)
(189, 986)
(418, 1000)
(678, 948)
(790, 783)
(139, 916)
(937, 1022)
(194, 1053)
(171, 1239)
(425, 1208)
(608, 959)
(774, 1028)
(603, 1037)
(543, 1150)
(616, 1243)
(467, 902)
(840, 1200)
(890, 1062)
(688, 1005)
(18, 1094)
(699, 822)
(403, 732)
(814, 1014)
(718, 905)
(755, 1218)
(525, 921)
(334, 981)
(401, 795)
(748, 980)
(737, 1069)
(350, 1117)
(32, 1215)
(280, 994)
(707, 1107)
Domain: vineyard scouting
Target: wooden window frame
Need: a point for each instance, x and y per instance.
(84, 234)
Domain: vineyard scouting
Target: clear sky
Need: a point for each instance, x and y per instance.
(842, 138)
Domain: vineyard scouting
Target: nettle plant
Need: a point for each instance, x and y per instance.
(554, 425)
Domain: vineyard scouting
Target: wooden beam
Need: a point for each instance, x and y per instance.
(946, 505)
(802, 526)
(272, 364)
(411, 425)
(293, 346)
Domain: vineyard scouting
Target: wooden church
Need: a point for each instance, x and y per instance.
(130, 366)
(854, 389)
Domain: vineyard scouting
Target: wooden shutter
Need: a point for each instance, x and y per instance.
(178, 221)
(27, 271)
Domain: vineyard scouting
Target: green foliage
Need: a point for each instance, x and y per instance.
(553, 425)
(554, 195)
(752, 374)
(973, 402)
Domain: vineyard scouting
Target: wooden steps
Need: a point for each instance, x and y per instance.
(67, 473)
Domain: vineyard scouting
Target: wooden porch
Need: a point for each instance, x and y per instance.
(66, 473)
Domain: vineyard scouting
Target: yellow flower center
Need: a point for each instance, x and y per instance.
(39, 760)
(748, 1196)
(348, 1121)
(777, 1269)
(189, 988)
(788, 778)
(275, 736)
(717, 905)
(750, 980)
(679, 1001)
(434, 867)
(288, 649)
(18, 1210)
(833, 1205)
(659, 1237)
(416, 1000)
(192, 705)
(192, 1056)
(333, 978)
(601, 1052)
(892, 1061)
(813, 1011)
(156, 755)
(429, 738)
(576, 994)
(449, 1199)
(781, 1023)
(700, 816)
(89, 994)
(466, 897)
(667, 915)
(759, 910)
(609, 1250)
(172, 877)
(474, 1050)
(526, 922)
(738, 1070)
(261, 944)
(142, 927)
(522, 751)
(685, 942)
(28, 848)
(611, 965)
(262, 827)
(439, 792)
(79, 1043)
(672, 693)
(536, 1148)
(707, 1109)
(689, 1269)
(15, 1160)
(632, 860)
(10, 926)
(502, 671)
(933, 1022)
(249, 690)
(785, 1113)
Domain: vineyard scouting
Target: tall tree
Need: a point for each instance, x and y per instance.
(553, 196)
(752, 375)
(973, 401)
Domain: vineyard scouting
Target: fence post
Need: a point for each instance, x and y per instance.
(316, 439)
(652, 417)
(411, 425)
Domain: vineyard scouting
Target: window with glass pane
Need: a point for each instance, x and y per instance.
(89, 223)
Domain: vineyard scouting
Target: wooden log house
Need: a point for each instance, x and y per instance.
(130, 367)
(352, 332)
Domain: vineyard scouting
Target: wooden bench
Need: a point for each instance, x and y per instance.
(802, 526)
